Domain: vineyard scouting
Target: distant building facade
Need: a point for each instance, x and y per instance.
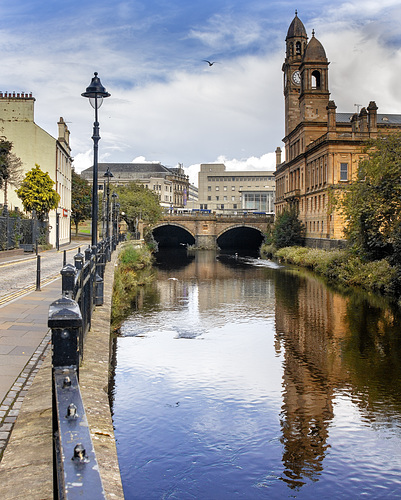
(33, 145)
(226, 191)
(170, 184)
(322, 147)
(193, 197)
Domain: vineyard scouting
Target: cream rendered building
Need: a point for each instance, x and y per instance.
(33, 145)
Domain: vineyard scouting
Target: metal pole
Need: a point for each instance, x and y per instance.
(57, 231)
(38, 273)
(108, 209)
(95, 202)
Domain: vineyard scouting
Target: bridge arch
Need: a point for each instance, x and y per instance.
(168, 234)
(240, 236)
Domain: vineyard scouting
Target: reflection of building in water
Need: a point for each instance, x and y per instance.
(216, 283)
(309, 324)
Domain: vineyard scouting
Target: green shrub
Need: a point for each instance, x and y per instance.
(133, 271)
(345, 268)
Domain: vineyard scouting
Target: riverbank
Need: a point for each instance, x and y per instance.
(133, 271)
(343, 268)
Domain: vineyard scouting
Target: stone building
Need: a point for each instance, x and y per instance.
(322, 147)
(226, 191)
(170, 184)
(33, 145)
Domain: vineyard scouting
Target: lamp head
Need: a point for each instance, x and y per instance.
(95, 92)
(108, 173)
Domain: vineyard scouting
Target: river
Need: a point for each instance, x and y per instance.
(236, 377)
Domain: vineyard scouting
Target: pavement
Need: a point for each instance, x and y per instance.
(25, 377)
(24, 334)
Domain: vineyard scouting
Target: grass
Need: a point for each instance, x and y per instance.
(134, 270)
(342, 267)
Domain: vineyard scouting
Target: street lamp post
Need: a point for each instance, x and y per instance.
(108, 175)
(95, 93)
(114, 218)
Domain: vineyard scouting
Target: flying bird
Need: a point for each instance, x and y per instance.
(210, 63)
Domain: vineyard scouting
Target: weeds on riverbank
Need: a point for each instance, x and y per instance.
(342, 267)
(134, 269)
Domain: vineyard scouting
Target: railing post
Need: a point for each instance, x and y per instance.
(75, 468)
(68, 274)
(65, 320)
(98, 281)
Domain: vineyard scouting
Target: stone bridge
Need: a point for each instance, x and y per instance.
(212, 230)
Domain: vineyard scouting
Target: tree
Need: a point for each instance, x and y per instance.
(37, 193)
(371, 204)
(10, 167)
(81, 199)
(288, 230)
(138, 202)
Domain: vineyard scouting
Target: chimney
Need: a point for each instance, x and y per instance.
(363, 121)
(278, 156)
(331, 116)
(372, 117)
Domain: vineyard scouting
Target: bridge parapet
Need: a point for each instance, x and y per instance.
(235, 219)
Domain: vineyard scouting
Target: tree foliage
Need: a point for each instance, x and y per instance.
(81, 199)
(371, 203)
(137, 202)
(288, 230)
(37, 193)
(5, 149)
(10, 167)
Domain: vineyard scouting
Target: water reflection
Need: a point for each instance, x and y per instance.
(279, 385)
(332, 345)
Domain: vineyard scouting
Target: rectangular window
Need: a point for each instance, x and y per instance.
(344, 172)
(225, 188)
(217, 188)
(209, 188)
(209, 198)
(217, 198)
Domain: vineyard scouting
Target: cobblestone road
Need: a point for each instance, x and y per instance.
(19, 274)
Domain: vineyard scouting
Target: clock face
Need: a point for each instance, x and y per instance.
(296, 77)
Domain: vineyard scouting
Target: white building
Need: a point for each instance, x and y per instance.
(225, 191)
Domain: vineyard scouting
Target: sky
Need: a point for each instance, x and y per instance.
(168, 105)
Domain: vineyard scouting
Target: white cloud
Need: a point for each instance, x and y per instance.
(264, 162)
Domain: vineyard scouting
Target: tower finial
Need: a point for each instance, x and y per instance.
(313, 32)
(296, 12)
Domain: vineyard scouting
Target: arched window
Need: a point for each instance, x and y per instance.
(316, 80)
(298, 48)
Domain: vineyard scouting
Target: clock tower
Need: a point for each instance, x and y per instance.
(314, 72)
(296, 42)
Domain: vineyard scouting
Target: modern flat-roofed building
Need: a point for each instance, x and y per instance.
(224, 191)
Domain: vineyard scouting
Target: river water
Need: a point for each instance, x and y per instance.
(239, 378)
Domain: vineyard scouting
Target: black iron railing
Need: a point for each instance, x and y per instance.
(76, 474)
